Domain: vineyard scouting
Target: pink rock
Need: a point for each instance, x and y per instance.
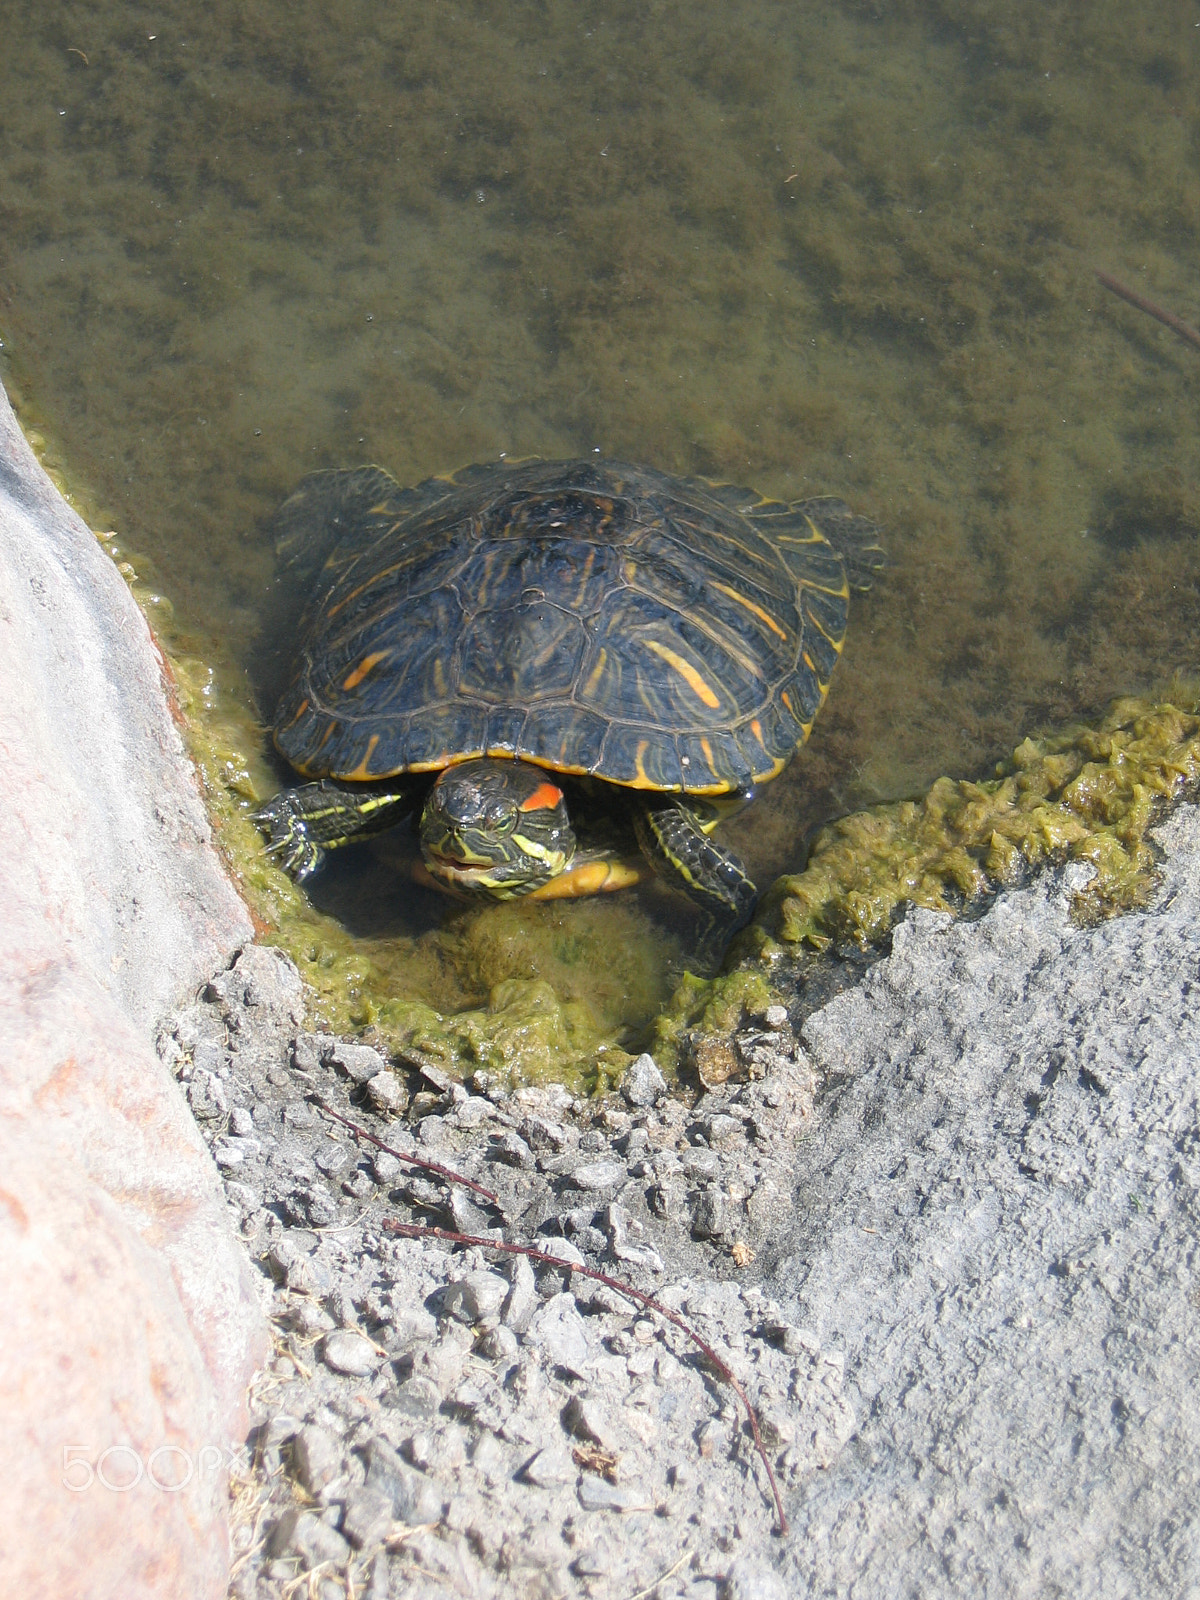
(129, 1325)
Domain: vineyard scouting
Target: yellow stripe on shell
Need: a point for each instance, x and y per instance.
(300, 710)
(694, 679)
(597, 673)
(743, 600)
(362, 772)
(353, 680)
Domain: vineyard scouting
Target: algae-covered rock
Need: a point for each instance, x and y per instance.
(1084, 794)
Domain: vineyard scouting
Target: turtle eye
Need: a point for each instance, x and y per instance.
(500, 819)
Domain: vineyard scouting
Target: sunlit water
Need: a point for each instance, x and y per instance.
(808, 248)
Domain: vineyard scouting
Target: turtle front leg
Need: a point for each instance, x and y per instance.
(674, 836)
(302, 824)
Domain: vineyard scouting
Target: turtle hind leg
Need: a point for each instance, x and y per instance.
(856, 539)
(302, 824)
(675, 840)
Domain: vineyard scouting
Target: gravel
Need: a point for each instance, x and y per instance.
(945, 1244)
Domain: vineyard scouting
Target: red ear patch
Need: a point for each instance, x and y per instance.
(544, 798)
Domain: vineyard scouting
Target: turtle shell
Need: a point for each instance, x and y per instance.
(588, 616)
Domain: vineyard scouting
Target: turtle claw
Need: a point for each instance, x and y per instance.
(288, 842)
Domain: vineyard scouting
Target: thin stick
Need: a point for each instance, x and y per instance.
(417, 1230)
(642, 1594)
(415, 1161)
(1168, 319)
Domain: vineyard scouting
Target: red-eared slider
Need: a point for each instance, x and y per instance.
(486, 644)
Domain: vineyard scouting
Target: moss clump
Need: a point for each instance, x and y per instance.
(710, 1009)
(1084, 794)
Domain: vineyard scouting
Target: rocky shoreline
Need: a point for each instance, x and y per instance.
(942, 1231)
(508, 1429)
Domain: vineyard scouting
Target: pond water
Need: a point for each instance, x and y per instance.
(844, 248)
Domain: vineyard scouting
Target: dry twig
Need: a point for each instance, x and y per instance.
(1186, 332)
(413, 1161)
(418, 1230)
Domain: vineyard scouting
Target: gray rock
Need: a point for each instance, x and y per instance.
(551, 1468)
(598, 1175)
(230, 1153)
(358, 1062)
(418, 1397)
(511, 1148)
(437, 1451)
(349, 1352)
(997, 1227)
(700, 1164)
(367, 1517)
(302, 1534)
(413, 1499)
(498, 1344)
(308, 1318)
(562, 1250)
(278, 1430)
(588, 1418)
(469, 1113)
(643, 1084)
(522, 1297)
(478, 1295)
(466, 1216)
(206, 1097)
(710, 1215)
(331, 1158)
(243, 1196)
(721, 1128)
(318, 1206)
(597, 1494)
(619, 1224)
(409, 1326)
(386, 1093)
(558, 1329)
(543, 1135)
(385, 1166)
(317, 1455)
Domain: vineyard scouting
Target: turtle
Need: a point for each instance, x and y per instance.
(525, 642)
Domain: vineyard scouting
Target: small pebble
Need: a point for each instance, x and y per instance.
(597, 1494)
(472, 1111)
(331, 1158)
(368, 1517)
(498, 1344)
(317, 1455)
(597, 1175)
(359, 1062)
(478, 1295)
(700, 1163)
(551, 1468)
(350, 1353)
(643, 1084)
(562, 1333)
(385, 1166)
(386, 1093)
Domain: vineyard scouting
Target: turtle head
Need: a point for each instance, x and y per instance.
(496, 827)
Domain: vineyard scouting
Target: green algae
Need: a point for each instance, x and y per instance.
(1083, 794)
(556, 995)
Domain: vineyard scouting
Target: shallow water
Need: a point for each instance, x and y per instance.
(846, 248)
